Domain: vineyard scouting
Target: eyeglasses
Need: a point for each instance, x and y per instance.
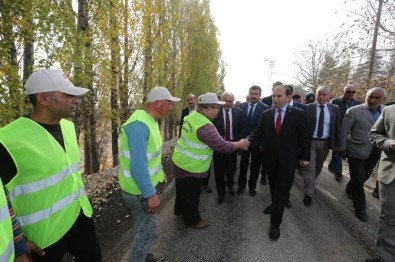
(374, 97)
(351, 92)
(215, 107)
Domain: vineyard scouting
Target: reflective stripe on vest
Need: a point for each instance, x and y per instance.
(47, 192)
(190, 153)
(153, 154)
(6, 233)
(45, 213)
(42, 184)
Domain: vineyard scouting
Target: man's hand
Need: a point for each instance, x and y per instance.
(243, 144)
(303, 163)
(343, 154)
(31, 248)
(153, 204)
(392, 145)
(163, 185)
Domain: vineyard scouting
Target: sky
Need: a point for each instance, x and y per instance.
(256, 33)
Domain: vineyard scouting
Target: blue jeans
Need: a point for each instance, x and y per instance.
(145, 227)
(336, 163)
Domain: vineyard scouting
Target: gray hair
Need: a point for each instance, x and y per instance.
(323, 88)
(226, 93)
(377, 89)
(347, 86)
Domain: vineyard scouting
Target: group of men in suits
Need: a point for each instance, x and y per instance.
(289, 134)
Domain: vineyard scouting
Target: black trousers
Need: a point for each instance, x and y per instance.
(80, 241)
(225, 167)
(255, 165)
(188, 192)
(207, 179)
(360, 171)
(280, 182)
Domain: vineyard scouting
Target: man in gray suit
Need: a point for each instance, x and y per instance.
(323, 121)
(354, 144)
(382, 135)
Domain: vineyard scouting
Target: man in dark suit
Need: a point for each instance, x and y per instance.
(229, 125)
(268, 99)
(191, 100)
(323, 120)
(251, 113)
(354, 144)
(283, 132)
(344, 102)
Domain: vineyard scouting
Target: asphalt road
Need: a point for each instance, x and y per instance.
(238, 231)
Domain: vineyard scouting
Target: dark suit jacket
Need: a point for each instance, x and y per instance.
(268, 100)
(291, 145)
(299, 105)
(256, 116)
(342, 104)
(311, 112)
(237, 123)
(184, 113)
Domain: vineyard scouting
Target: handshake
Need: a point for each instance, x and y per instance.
(243, 144)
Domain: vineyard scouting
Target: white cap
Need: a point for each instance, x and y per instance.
(161, 93)
(210, 98)
(46, 80)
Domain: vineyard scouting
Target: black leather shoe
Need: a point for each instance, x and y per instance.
(375, 193)
(339, 177)
(268, 210)
(377, 259)
(220, 199)
(231, 192)
(240, 190)
(349, 195)
(207, 188)
(274, 232)
(252, 192)
(361, 215)
(263, 180)
(307, 200)
(288, 203)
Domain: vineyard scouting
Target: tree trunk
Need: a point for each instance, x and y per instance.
(114, 46)
(374, 44)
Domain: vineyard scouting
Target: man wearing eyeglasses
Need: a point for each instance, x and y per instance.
(344, 102)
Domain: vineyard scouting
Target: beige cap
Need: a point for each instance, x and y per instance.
(210, 98)
(161, 93)
(49, 80)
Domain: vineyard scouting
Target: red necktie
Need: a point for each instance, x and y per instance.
(278, 122)
(227, 126)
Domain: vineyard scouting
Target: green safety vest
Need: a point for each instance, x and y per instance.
(154, 154)
(47, 192)
(7, 252)
(190, 153)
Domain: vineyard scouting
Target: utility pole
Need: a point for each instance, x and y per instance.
(272, 65)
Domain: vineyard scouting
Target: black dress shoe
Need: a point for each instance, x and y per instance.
(377, 259)
(263, 180)
(349, 195)
(231, 192)
(268, 210)
(274, 232)
(361, 215)
(252, 192)
(339, 177)
(220, 199)
(240, 190)
(375, 193)
(307, 200)
(288, 203)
